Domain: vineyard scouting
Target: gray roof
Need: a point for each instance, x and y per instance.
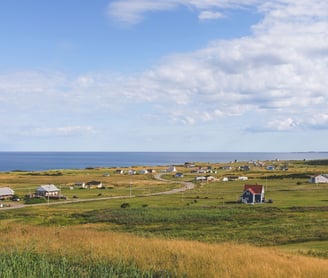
(47, 188)
(4, 191)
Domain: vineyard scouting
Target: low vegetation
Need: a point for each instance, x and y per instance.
(91, 252)
(203, 232)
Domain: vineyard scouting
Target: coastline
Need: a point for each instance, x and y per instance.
(41, 161)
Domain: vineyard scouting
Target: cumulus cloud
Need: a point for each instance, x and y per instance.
(277, 74)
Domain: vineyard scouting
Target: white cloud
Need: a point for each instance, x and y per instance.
(133, 11)
(278, 74)
(209, 15)
(65, 131)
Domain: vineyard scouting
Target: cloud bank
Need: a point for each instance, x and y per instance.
(277, 77)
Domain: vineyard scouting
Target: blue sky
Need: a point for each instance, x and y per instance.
(175, 75)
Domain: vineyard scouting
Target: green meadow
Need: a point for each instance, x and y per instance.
(293, 220)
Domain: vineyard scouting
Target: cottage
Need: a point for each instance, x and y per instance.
(189, 164)
(119, 171)
(244, 168)
(143, 172)
(323, 178)
(171, 169)
(132, 172)
(6, 193)
(200, 179)
(226, 168)
(210, 178)
(94, 184)
(252, 194)
(80, 185)
(47, 190)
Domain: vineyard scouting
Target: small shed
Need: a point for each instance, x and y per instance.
(253, 194)
(6, 193)
(47, 190)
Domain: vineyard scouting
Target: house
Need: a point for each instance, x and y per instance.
(6, 193)
(233, 178)
(323, 178)
(253, 194)
(244, 168)
(119, 171)
(210, 178)
(189, 165)
(151, 171)
(132, 172)
(47, 190)
(200, 179)
(94, 184)
(226, 168)
(171, 169)
(143, 172)
(80, 185)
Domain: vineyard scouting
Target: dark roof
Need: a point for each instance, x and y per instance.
(93, 182)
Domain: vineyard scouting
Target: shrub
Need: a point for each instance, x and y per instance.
(125, 205)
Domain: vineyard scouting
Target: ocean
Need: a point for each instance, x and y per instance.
(38, 161)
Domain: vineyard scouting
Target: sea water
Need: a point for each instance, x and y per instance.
(37, 161)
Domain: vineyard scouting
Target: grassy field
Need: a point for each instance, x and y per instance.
(290, 233)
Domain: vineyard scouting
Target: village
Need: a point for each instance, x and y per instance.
(245, 174)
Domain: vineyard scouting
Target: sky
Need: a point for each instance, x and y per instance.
(173, 75)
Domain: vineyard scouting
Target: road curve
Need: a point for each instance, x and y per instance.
(186, 186)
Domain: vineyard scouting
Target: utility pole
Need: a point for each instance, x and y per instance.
(130, 188)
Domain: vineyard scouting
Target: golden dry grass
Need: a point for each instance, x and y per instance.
(190, 258)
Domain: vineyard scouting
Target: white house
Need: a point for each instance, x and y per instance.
(171, 169)
(132, 172)
(323, 178)
(6, 192)
(80, 185)
(200, 179)
(47, 190)
(94, 184)
(143, 172)
(119, 171)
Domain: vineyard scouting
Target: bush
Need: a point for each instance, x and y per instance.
(125, 205)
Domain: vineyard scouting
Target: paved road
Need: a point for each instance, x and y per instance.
(186, 186)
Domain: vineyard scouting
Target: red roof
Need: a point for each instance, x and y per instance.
(257, 189)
